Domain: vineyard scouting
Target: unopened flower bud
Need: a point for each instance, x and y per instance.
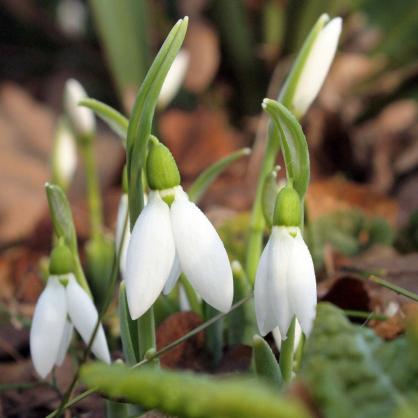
(162, 171)
(287, 211)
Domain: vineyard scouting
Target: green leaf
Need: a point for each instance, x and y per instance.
(140, 123)
(352, 373)
(128, 329)
(293, 143)
(62, 218)
(208, 176)
(265, 362)
(190, 395)
(114, 119)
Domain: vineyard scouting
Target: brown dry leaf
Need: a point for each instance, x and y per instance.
(236, 359)
(198, 139)
(203, 45)
(337, 194)
(186, 354)
(27, 129)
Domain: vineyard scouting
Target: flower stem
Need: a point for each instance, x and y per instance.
(286, 353)
(146, 333)
(93, 189)
(395, 288)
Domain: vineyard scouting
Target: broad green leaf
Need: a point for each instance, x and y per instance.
(206, 178)
(114, 119)
(140, 123)
(293, 144)
(266, 366)
(128, 329)
(189, 395)
(352, 373)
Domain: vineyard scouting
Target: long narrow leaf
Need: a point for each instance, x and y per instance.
(140, 123)
(207, 177)
(114, 119)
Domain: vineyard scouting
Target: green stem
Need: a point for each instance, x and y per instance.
(146, 333)
(93, 190)
(391, 286)
(286, 353)
(257, 222)
(79, 273)
(191, 294)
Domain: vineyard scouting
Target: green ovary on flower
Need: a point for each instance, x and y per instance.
(287, 211)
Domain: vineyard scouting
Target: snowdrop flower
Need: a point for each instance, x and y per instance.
(122, 237)
(316, 66)
(172, 235)
(174, 79)
(81, 119)
(64, 157)
(285, 284)
(62, 306)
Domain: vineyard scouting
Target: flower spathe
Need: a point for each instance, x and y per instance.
(167, 240)
(63, 305)
(285, 284)
(316, 66)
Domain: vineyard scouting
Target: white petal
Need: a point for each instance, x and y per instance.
(65, 342)
(83, 315)
(316, 66)
(65, 154)
(48, 326)
(82, 119)
(202, 255)
(119, 234)
(175, 77)
(278, 337)
(173, 276)
(266, 318)
(281, 248)
(184, 300)
(150, 257)
(302, 284)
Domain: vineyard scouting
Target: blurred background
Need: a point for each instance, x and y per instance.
(362, 130)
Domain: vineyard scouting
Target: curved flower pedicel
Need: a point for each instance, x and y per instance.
(62, 306)
(172, 235)
(285, 285)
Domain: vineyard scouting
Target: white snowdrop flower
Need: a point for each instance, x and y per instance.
(62, 306)
(278, 337)
(64, 158)
(170, 236)
(81, 119)
(316, 67)
(72, 17)
(285, 285)
(174, 79)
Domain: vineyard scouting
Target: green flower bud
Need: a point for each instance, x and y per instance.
(287, 211)
(162, 171)
(61, 260)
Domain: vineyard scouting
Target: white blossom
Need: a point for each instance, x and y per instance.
(285, 284)
(167, 240)
(62, 306)
(316, 66)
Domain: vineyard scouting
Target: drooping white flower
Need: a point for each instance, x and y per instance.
(316, 66)
(174, 78)
(169, 239)
(63, 305)
(285, 283)
(81, 119)
(64, 157)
